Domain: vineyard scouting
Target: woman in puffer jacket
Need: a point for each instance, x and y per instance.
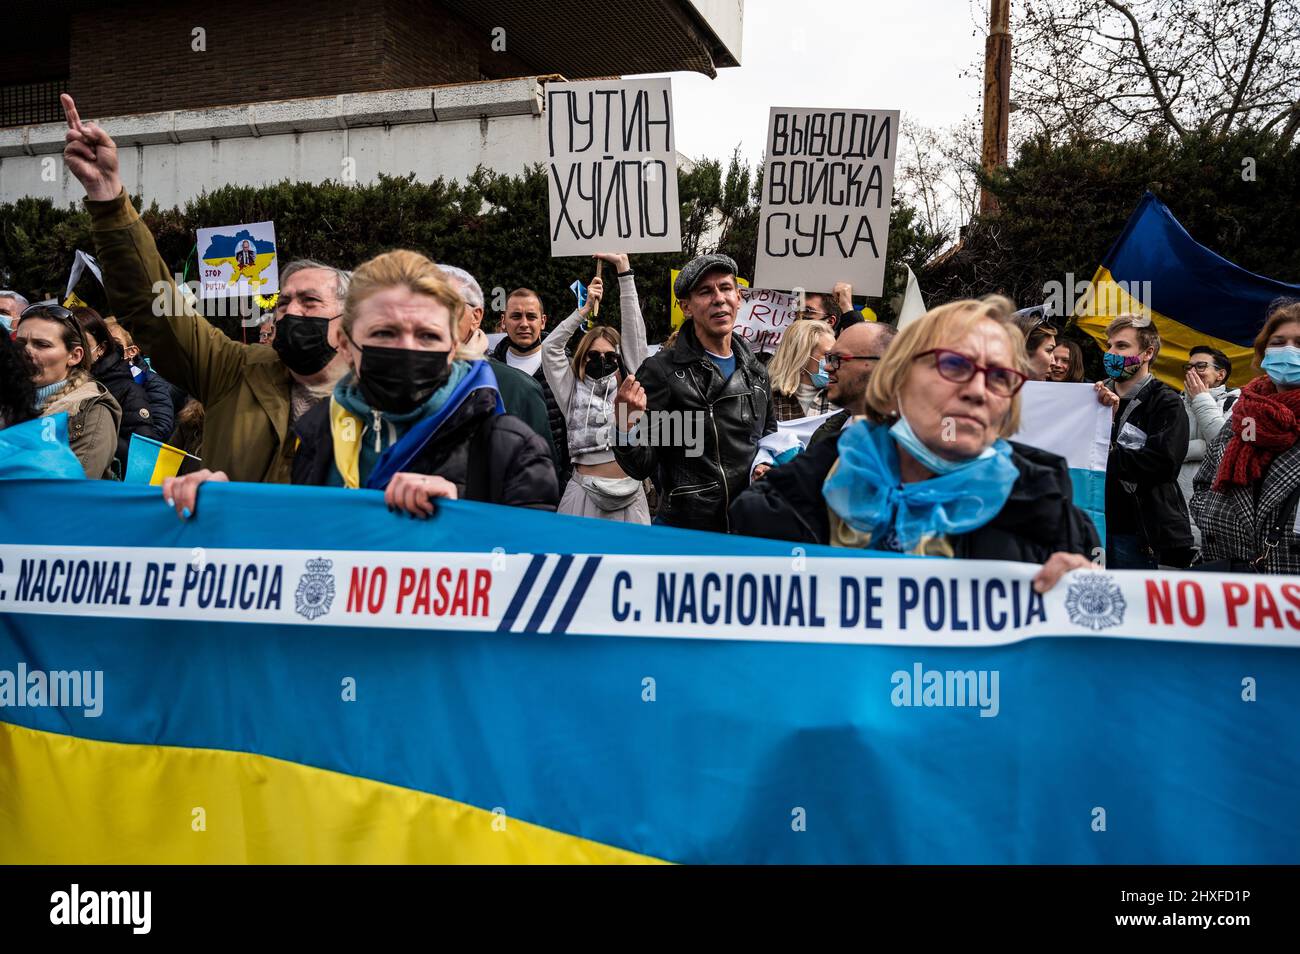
(584, 388)
(1208, 402)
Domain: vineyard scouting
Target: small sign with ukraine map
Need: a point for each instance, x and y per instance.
(238, 260)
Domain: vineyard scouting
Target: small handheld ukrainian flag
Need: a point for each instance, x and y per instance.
(151, 462)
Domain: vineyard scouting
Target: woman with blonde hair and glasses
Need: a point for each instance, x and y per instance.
(798, 370)
(928, 469)
(584, 387)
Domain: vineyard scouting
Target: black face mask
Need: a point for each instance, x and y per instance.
(398, 380)
(602, 363)
(303, 343)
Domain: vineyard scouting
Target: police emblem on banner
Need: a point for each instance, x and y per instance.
(315, 591)
(1095, 601)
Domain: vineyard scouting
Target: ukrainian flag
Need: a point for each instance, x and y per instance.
(1195, 296)
(151, 462)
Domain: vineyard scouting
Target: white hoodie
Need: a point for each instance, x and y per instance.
(1205, 418)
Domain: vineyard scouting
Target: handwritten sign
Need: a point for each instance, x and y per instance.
(612, 166)
(763, 317)
(827, 183)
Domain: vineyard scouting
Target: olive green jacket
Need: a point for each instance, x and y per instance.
(245, 389)
(93, 419)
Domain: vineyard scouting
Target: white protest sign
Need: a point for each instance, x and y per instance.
(827, 184)
(238, 260)
(80, 263)
(763, 317)
(612, 167)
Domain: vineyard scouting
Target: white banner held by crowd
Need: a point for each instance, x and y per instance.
(827, 184)
(886, 601)
(612, 167)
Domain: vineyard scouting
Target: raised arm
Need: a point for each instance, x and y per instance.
(179, 341)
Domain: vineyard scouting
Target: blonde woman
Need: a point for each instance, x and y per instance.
(928, 469)
(798, 370)
(584, 388)
(407, 418)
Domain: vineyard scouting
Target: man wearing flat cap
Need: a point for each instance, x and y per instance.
(694, 413)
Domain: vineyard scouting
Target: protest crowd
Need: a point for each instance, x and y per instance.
(382, 377)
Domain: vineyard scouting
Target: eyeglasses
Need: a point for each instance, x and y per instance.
(957, 368)
(1196, 365)
(834, 360)
(811, 315)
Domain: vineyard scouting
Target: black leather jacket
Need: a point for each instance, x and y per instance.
(707, 446)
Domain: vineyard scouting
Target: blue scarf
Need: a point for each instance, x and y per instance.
(868, 494)
(44, 394)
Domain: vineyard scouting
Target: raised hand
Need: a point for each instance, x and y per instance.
(629, 403)
(91, 155)
(617, 259)
(595, 292)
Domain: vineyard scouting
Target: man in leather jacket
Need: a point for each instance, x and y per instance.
(693, 413)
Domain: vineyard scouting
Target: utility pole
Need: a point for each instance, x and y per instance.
(997, 95)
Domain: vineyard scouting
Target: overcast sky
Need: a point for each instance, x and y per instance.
(876, 54)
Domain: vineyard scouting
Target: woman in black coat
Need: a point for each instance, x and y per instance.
(928, 471)
(407, 418)
(109, 368)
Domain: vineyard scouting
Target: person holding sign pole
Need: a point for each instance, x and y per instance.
(584, 387)
(928, 469)
(694, 413)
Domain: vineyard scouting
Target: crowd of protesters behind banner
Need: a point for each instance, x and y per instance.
(383, 378)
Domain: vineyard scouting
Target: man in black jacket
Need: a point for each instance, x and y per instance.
(521, 348)
(1146, 518)
(709, 404)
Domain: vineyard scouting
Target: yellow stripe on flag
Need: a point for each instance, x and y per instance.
(167, 464)
(1109, 299)
(68, 800)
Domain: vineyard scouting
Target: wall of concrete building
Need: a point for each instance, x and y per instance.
(173, 156)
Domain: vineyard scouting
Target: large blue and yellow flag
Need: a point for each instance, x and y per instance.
(297, 675)
(1195, 296)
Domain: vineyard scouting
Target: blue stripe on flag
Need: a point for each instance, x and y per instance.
(579, 589)
(521, 594)
(548, 594)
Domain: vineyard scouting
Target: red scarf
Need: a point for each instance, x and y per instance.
(1276, 417)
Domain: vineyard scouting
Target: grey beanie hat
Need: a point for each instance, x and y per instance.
(696, 268)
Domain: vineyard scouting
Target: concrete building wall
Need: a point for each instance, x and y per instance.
(172, 157)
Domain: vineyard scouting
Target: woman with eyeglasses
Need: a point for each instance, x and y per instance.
(60, 356)
(928, 469)
(1208, 402)
(798, 370)
(584, 387)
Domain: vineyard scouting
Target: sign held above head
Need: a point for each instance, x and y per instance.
(827, 184)
(612, 167)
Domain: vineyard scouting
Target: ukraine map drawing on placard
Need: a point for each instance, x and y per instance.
(247, 256)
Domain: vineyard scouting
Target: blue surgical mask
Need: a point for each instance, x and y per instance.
(1282, 365)
(821, 379)
(905, 437)
(6, 323)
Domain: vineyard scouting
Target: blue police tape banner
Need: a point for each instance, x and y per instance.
(327, 681)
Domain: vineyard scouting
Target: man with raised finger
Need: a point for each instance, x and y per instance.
(252, 394)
